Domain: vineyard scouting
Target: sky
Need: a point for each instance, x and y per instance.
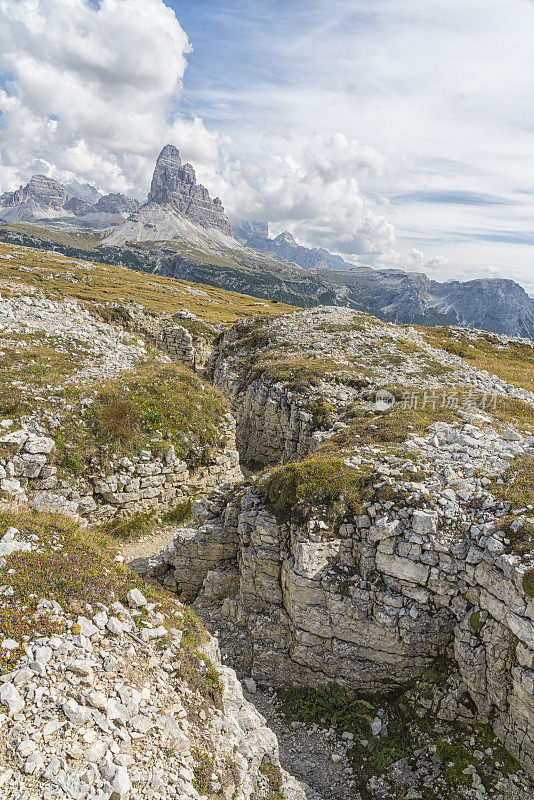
(397, 133)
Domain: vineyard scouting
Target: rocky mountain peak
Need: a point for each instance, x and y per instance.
(168, 176)
(41, 190)
(174, 183)
(286, 238)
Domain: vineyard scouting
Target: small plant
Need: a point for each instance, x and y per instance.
(131, 527)
(202, 770)
(274, 777)
(331, 706)
(72, 463)
(320, 411)
(475, 622)
(179, 514)
(528, 582)
(117, 419)
(318, 480)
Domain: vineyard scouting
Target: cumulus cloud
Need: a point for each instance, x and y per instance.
(91, 91)
(309, 186)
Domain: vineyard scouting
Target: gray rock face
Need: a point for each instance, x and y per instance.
(175, 183)
(83, 190)
(77, 206)
(256, 235)
(116, 203)
(496, 304)
(42, 196)
(45, 198)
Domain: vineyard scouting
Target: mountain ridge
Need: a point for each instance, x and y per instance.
(181, 232)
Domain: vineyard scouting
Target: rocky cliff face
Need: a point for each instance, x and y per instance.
(45, 199)
(175, 184)
(41, 197)
(256, 235)
(391, 544)
(115, 203)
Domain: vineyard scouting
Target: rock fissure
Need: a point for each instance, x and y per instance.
(371, 595)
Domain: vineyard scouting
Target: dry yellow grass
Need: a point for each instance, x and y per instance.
(60, 276)
(513, 363)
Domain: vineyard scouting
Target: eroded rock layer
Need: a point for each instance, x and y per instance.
(395, 540)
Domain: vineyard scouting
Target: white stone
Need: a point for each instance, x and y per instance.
(425, 522)
(75, 713)
(10, 697)
(136, 599)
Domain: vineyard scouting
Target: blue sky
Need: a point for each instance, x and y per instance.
(394, 132)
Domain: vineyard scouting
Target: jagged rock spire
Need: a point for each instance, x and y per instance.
(175, 183)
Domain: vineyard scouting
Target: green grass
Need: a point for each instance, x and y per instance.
(528, 582)
(202, 770)
(475, 622)
(321, 411)
(319, 480)
(152, 407)
(72, 566)
(179, 514)
(131, 527)
(334, 706)
(297, 373)
(331, 706)
(33, 364)
(274, 780)
(517, 487)
(76, 567)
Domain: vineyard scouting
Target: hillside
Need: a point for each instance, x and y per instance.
(370, 579)
(181, 232)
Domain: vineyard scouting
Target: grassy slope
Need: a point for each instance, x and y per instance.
(76, 567)
(323, 477)
(59, 276)
(513, 363)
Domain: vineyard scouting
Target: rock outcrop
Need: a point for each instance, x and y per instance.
(115, 203)
(153, 478)
(367, 561)
(114, 704)
(174, 183)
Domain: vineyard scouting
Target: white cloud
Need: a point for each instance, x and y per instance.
(91, 91)
(309, 186)
(443, 89)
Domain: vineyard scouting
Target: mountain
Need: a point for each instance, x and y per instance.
(83, 190)
(182, 233)
(256, 235)
(45, 199)
(116, 204)
(177, 207)
(176, 184)
(41, 198)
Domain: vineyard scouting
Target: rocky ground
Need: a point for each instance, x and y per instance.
(122, 699)
(395, 553)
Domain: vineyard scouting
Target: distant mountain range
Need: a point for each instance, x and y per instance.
(256, 235)
(181, 232)
(44, 199)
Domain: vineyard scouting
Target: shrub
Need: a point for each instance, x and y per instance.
(179, 514)
(317, 480)
(117, 419)
(131, 527)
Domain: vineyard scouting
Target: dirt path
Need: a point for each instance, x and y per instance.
(136, 552)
